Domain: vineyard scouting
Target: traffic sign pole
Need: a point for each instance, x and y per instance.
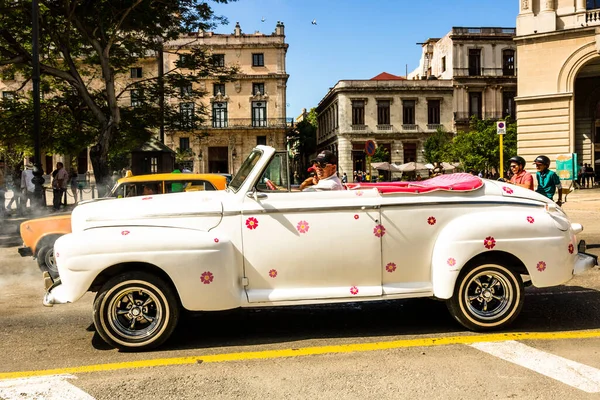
(501, 130)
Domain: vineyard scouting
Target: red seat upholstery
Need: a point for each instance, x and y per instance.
(455, 182)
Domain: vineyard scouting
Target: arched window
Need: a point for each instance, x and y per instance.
(508, 62)
(592, 4)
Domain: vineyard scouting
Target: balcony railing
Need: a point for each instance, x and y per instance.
(385, 127)
(464, 116)
(410, 127)
(592, 16)
(248, 123)
(359, 127)
(434, 127)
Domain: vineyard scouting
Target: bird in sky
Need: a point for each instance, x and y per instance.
(262, 19)
(314, 21)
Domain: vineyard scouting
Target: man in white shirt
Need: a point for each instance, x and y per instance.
(27, 186)
(326, 178)
(59, 184)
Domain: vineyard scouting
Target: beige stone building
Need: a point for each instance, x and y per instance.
(248, 111)
(396, 113)
(558, 103)
(482, 64)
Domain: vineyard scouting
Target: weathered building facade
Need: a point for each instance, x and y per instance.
(482, 64)
(558, 103)
(397, 114)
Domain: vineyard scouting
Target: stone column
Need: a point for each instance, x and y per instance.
(525, 7)
(344, 149)
(548, 5)
(580, 6)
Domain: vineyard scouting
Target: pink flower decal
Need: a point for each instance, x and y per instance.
(391, 267)
(356, 216)
(147, 198)
(273, 273)
(354, 290)
(431, 220)
(379, 231)
(507, 190)
(207, 277)
(216, 240)
(302, 227)
(541, 266)
(571, 248)
(451, 262)
(359, 193)
(489, 242)
(124, 233)
(251, 223)
(530, 220)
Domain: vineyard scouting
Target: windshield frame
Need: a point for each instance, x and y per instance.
(246, 168)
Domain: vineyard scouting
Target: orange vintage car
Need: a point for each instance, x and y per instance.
(39, 234)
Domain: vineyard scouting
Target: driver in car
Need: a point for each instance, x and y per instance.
(326, 178)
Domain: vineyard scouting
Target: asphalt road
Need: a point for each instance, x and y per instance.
(400, 349)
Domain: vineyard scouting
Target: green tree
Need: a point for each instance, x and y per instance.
(86, 45)
(303, 138)
(479, 150)
(438, 147)
(381, 155)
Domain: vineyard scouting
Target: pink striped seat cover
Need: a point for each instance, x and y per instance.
(460, 182)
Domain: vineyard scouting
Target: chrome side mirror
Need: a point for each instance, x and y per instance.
(256, 195)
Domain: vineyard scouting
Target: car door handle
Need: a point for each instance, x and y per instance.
(256, 195)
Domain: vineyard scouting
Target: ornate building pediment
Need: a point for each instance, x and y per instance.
(259, 97)
(219, 98)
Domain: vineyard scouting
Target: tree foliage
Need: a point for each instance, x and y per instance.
(381, 155)
(303, 138)
(438, 147)
(88, 47)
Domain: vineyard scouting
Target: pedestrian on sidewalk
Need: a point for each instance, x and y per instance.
(2, 190)
(74, 184)
(59, 184)
(27, 186)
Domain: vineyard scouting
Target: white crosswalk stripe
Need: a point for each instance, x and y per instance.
(53, 387)
(572, 373)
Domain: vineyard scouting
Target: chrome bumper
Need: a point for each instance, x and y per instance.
(54, 291)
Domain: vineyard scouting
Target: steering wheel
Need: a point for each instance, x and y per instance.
(270, 184)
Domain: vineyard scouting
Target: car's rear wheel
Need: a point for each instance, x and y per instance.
(135, 311)
(46, 260)
(486, 297)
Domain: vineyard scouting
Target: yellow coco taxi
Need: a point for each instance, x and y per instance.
(40, 234)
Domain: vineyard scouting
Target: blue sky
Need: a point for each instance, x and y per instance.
(356, 39)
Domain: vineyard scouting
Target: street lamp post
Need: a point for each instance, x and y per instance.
(38, 171)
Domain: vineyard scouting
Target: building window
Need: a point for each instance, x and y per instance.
(475, 104)
(219, 88)
(433, 112)
(259, 113)
(261, 140)
(218, 60)
(358, 112)
(408, 112)
(153, 165)
(219, 115)
(383, 112)
(410, 152)
(474, 62)
(258, 60)
(135, 72)
(136, 97)
(184, 143)
(258, 88)
(186, 112)
(186, 90)
(508, 63)
(184, 60)
(592, 4)
(508, 104)
(8, 95)
(444, 64)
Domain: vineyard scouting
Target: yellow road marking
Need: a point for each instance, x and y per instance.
(307, 351)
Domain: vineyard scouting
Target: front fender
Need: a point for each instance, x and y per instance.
(200, 265)
(529, 235)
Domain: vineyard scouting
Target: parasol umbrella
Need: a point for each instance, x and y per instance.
(412, 166)
(382, 166)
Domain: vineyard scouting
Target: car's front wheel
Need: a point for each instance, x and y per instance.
(135, 311)
(488, 296)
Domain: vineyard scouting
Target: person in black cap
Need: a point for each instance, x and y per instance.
(326, 178)
(548, 181)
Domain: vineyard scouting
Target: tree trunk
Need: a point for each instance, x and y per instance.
(99, 158)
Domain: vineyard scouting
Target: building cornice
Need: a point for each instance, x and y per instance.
(555, 36)
(555, 96)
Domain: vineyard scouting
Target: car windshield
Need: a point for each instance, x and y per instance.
(239, 178)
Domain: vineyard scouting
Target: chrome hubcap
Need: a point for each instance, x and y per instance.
(135, 313)
(488, 295)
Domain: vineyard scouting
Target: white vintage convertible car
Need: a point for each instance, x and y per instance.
(472, 242)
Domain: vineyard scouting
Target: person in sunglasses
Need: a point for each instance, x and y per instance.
(520, 177)
(325, 178)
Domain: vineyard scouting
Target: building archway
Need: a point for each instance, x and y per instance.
(587, 111)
